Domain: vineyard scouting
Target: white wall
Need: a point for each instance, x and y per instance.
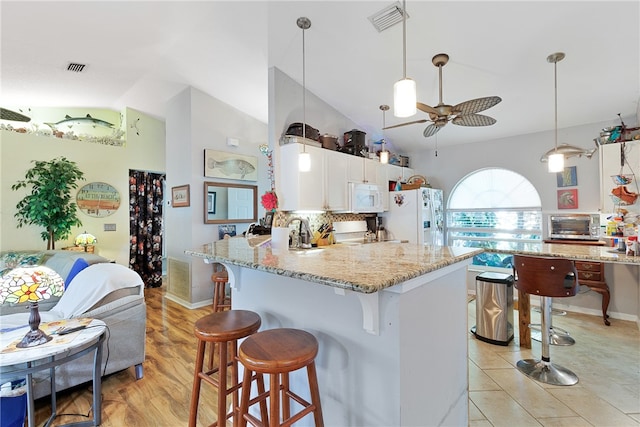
(195, 122)
(98, 162)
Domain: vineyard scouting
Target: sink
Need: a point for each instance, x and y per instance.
(310, 251)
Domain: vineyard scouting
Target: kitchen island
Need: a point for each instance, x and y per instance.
(390, 318)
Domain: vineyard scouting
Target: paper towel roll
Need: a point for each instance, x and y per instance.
(280, 238)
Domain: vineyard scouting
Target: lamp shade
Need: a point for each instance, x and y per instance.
(30, 284)
(404, 98)
(384, 156)
(85, 239)
(556, 162)
(304, 162)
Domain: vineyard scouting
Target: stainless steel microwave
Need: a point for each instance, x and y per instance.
(574, 226)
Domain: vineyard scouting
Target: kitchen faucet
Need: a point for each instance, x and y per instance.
(305, 235)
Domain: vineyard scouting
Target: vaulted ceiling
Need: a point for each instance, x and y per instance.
(140, 54)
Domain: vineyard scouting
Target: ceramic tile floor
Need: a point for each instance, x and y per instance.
(606, 360)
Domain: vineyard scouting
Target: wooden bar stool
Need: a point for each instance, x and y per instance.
(221, 301)
(221, 328)
(277, 352)
(547, 277)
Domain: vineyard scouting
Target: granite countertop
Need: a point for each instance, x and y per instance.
(366, 268)
(575, 252)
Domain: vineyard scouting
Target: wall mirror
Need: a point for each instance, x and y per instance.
(226, 203)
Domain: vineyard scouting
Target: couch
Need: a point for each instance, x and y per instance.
(103, 290)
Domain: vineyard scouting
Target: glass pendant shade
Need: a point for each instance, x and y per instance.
(304, 162)
(384, 156)
(404, 98)
(556, 162)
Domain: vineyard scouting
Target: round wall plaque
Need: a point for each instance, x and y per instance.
(98, 199)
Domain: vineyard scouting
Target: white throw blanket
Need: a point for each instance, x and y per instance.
(88, 287)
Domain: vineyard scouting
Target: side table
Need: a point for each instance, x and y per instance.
(23, 363)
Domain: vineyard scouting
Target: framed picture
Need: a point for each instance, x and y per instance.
(220, 164)
(226, 231)
(211, 202)
(568, 177)
(568, 199)
(180, 196)
(268, 219)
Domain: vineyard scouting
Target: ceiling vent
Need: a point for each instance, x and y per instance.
(75, 67)
(387, 17)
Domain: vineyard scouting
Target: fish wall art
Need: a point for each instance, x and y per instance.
(220, 164)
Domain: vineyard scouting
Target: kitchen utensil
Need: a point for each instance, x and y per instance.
(329, 142)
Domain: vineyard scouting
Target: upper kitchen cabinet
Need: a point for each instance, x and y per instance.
(394, 172)
(367, 171)
(324, 187)
(301, 190)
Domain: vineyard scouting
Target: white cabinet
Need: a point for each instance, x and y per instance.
(394, 172)
(325, 186)
(610, 164)
(301, 190)
(336, 169)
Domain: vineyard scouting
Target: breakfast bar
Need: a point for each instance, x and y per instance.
(390, 318)
(573, 252)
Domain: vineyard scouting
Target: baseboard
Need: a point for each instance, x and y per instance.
(190, 306)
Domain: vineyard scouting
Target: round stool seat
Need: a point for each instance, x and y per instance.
(278, 350)
(227, 325)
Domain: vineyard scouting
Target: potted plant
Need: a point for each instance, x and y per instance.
(50, 203)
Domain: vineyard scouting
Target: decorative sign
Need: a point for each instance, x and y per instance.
(98, 199)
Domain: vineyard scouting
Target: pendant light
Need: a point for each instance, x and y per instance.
(304, 158)
(404, 91)
(384, 154)
(556, 160)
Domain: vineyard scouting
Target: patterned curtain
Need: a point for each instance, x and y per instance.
(145, 217)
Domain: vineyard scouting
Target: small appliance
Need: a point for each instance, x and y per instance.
(574, 226)
(365, 198)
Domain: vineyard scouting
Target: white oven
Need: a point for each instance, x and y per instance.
(365, 198)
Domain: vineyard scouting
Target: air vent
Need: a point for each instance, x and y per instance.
(76, 67)
(387, 17)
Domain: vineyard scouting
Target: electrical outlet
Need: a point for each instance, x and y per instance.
(109, 227)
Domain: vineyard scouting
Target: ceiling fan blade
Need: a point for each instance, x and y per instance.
(431, 130)
(405, 124)
(426, 108)
(476, 105)
(473, 120)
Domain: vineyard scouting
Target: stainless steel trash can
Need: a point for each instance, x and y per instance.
(494, 308)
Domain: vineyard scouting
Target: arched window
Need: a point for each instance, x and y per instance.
(493, 208)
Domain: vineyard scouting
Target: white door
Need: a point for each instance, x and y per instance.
(240, 203)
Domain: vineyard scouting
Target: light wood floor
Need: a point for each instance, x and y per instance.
(606, 359)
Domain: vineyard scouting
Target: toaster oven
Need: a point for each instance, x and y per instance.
(574, 226)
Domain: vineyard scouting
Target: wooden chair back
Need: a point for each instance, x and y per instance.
(545, 276)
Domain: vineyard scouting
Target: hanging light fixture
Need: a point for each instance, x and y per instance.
(404, 91)
(304, 159)
(556, 160)
(384, 154)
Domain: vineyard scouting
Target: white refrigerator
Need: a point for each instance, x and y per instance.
(416, 216)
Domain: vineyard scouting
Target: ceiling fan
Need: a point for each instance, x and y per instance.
(463, 114)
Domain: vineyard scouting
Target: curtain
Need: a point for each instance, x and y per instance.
(145, 217)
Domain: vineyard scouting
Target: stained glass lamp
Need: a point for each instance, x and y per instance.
(85, 239)
(31, 284)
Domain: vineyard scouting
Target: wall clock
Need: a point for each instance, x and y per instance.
(98, 199)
